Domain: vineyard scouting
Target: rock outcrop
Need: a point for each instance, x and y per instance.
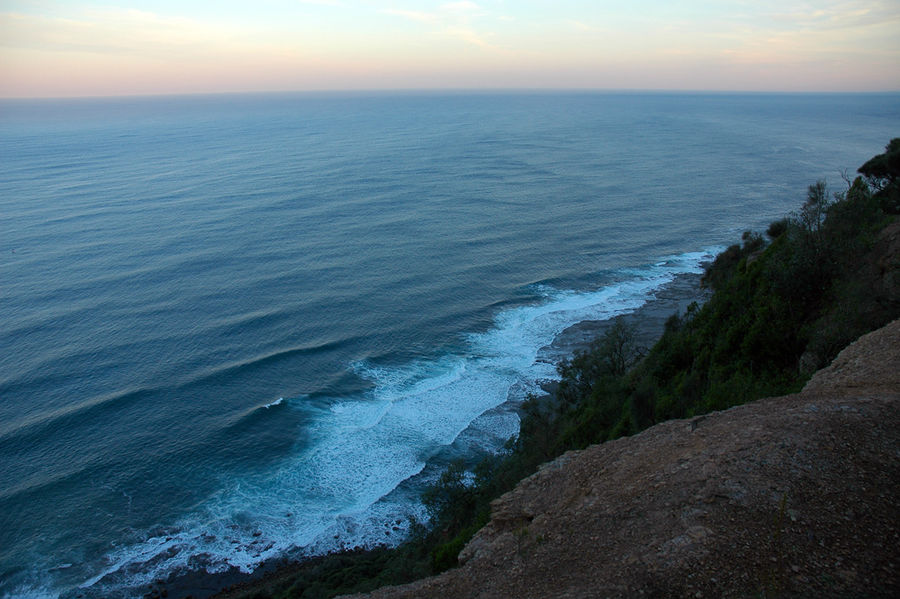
(787, 496)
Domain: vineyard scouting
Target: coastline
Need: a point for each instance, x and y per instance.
(649, 322)
(750, 501)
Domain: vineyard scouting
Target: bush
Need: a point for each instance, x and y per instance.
(777, 228)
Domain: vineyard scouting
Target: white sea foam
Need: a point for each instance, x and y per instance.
(339, 491)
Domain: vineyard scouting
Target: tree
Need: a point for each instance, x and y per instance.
(608, 356)
(882, 172)
(449, 500)
(812, 213)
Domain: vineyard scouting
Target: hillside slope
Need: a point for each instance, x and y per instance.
(787, 496)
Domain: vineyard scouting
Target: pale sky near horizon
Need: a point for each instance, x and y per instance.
(63, 48)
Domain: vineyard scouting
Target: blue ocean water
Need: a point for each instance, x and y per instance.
(239, 326)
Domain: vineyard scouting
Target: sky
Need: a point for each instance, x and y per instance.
(59, 48)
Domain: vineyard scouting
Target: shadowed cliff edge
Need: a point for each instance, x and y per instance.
(787, 496)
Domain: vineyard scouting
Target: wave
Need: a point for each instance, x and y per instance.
(66, 420)
(342, 487)
(272, 404)
(258, 420)
(242, 367)
(72, 416)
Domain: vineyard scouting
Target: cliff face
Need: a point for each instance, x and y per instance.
(787, 496)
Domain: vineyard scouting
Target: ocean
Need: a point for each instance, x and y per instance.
(238, 327)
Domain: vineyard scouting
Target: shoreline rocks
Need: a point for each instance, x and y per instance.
(793, 496)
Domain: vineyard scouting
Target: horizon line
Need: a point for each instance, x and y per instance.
(454, 91)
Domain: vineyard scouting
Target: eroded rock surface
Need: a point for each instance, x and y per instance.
(788, 496)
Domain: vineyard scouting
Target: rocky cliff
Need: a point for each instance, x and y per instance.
(787, 496)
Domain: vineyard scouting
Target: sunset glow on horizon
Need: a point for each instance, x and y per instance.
(56, 48)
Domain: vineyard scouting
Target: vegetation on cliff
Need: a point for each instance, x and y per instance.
(780, 309)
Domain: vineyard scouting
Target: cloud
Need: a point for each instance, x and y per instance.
(413, 15)
(581, 26)
(467, 35)
(831, 32)
(456, 20)
(567, 43)
(840, 14)
(462, 7)
(134, 35)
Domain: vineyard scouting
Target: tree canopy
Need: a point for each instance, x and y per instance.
(882, 172)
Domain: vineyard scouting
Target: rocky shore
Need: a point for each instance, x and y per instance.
(648, 321)
(792, 496)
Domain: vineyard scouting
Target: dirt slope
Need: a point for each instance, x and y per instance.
(788, 496)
